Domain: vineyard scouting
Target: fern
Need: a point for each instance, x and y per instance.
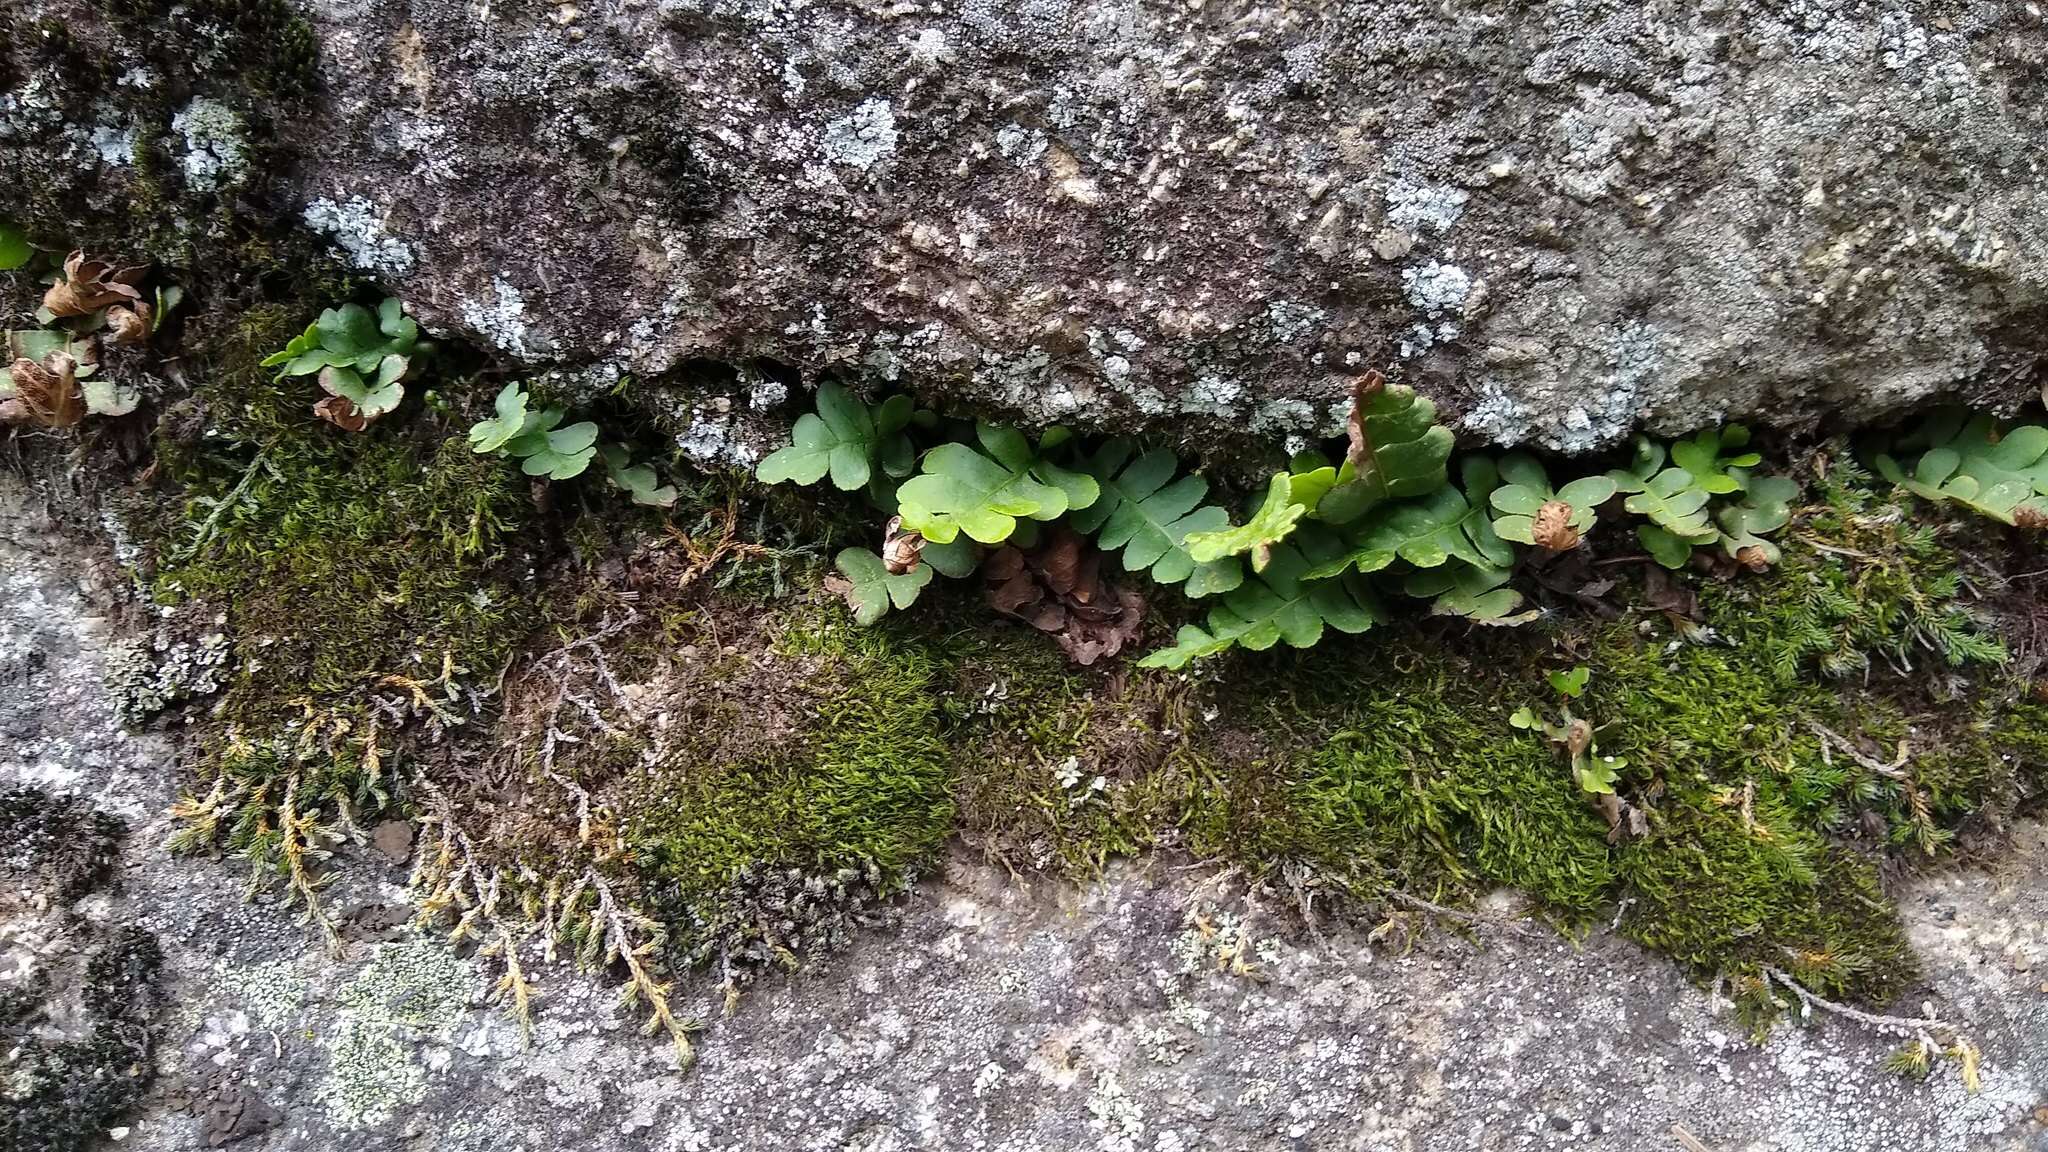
(1147, 514)
(1969, 460)
(984, 493)
(845, 439)
(1397, 450)
(1430, 530)
(1272, 523)
(1280, 603)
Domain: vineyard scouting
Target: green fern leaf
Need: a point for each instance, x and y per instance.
(1398, 451)
(1766, 506)
(1970, 461)
(1431, 530)
(1525, 489)
(983, 495)
(1279, 604)
(1713, 457)
(871, 588)
(1272, 523)
(1476, 593)
(1146, 513)
(845, 439)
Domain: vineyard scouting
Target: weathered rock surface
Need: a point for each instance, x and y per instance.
(1153, 1012)
(1563, 219)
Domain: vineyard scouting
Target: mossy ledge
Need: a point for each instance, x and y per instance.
(650, 738)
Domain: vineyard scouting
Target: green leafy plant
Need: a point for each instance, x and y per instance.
(846, 440)
(1674, 501)
(637, 479)
(872, 589)
(1428, 531)
(362, 359)
(983, 493)
(1148, 512)
(14, 247)
(1714, 457)
(544, 448)
(58, 384)
(1271, 523)
(1595, 773)
(1569, 683)
(1969, 460)
(1467, 590)
(1280, 603)
(1396, 450)
(1529, 511)
(1765, 507)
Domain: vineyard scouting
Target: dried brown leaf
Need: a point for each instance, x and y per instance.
(90, 285)
(341, 412)
(1363, 389)
(1623, 818)
(1002, 564)
(50, 389)
(1059, 562)
(1552, 528)
(1012, 596)
(901, 551)
(1058, 588)
(129, 324)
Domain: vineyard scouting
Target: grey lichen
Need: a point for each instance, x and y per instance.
(1436, 288)
(213, 155)
(863, 138)
(357, 229)
(146, 676)
(501, 321)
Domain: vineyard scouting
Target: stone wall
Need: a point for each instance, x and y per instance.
(1560, 220)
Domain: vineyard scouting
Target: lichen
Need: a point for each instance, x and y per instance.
(409, 992)
(863, 138)
(357, 228)
(501, 320)
(1436, 288)
(215, 142)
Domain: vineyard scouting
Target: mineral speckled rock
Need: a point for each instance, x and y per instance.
(1562, 220)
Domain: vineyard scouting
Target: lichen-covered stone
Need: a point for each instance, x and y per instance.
(1562, 220)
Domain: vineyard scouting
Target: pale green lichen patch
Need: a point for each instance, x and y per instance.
(410, 993)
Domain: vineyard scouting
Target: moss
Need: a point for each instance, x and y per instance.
(1424, 786)
(265, 44)
(344, 559)
(1864, 575)
(861, 784)
(1726, 897)
(64, 841)
(62, 1095)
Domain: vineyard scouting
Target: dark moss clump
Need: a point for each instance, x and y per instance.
(60, 1090)
(1728, 893)
(62, 1095)
(1864, 576)
(1420, 784)
(64, 841)
(265, 43)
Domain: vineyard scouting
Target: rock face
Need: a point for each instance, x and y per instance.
(1560, 220)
